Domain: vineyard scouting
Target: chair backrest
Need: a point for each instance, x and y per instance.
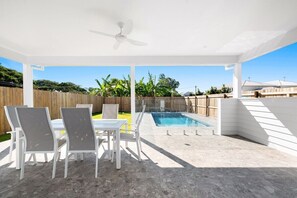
(110, 111)
(11, 115)
(37, 129)
(79, 128)
(90, 106)
(139, 118)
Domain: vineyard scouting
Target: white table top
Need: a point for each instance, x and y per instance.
(99, 124)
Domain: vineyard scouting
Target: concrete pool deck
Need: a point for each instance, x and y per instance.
(173, 166)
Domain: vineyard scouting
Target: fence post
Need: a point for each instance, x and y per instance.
(206, 106)
(196, 104)
(188, 109)
(256, 94)
(171, 103)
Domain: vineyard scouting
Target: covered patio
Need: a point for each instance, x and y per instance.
(225, 33)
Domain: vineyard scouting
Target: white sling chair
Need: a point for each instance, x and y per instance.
(11, 115)
(90, 106)
(80, 134)
(109, 111)
(39, 136)
(133, 136)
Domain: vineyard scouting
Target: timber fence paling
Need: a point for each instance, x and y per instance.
(53, 100)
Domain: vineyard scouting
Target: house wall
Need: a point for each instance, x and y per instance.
(269, 121)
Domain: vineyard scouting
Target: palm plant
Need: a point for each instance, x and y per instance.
(104, 87)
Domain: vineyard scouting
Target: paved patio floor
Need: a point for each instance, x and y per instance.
(172, 166)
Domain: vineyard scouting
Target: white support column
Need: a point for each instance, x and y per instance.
(132, 87)
(237, 81)
(28, 95)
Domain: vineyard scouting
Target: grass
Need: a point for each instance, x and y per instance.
(4, 137)
(122, 115)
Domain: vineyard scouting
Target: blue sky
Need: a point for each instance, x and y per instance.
(273, 66)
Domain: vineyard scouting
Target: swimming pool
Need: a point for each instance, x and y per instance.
(163, 119)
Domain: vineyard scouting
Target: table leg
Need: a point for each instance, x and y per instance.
(118, 150)
(18, 149)
(126, 128)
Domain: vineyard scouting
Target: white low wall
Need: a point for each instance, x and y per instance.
(227, 113)
(270, 121)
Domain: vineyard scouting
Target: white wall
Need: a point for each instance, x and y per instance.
(270, 121)
(227, 113)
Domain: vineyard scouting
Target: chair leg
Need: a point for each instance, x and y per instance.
(126, 144)
(45, 157)
(59, 156)
(140, 145)
(66, 164)
(54, 165)
(75, 156)
(108, 144)
(23, 156)
(12, 138)
(81, 156)
(138, 150)
(113, 151)
(96, 169)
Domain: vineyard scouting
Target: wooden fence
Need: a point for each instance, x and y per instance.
(53, 100)
(202, 105)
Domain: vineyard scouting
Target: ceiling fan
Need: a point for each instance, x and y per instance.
(125, 30)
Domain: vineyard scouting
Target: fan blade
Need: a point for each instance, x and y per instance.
(134, 42)
(116, 45)
(127, 27)
(102, 33)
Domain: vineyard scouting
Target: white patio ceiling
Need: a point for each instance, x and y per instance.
(178, 32)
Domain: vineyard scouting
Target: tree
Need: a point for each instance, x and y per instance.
(199, 93)
(167, 85)
(104, 86)
(11, 76)
(213, 90)
(164, 86)
(140, 88)
(225, 89)
(46, 85)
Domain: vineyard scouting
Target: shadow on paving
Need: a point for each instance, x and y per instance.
(146, 179)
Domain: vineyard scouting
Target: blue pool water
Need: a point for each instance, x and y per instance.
(175, 119)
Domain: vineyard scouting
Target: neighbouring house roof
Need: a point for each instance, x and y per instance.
(281, 83)
(253, 85)
(249, 85)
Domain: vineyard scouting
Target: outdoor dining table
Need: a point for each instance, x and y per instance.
(99, 124)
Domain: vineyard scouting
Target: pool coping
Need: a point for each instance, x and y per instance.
(148, 126)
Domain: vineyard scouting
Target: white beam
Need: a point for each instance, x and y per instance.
(12, 55)
(237, 80)
(28, 94)
(133, 60)
(283, 40)
(132, 92)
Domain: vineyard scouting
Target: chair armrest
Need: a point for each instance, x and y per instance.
(9, 132)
